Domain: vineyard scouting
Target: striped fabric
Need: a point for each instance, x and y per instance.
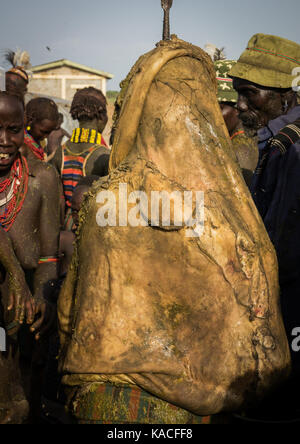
(281, 143)
(123, 404)
(288, 136)
(73, 170)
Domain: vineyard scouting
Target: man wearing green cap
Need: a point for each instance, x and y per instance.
(244, 146)
(267, 104)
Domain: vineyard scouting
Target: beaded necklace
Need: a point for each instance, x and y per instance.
(81, 135)
(238, 133)
(36, 148)
(16, 187)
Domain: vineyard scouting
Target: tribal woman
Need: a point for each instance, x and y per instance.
(86, 153)
(42, 118)
(29, 213)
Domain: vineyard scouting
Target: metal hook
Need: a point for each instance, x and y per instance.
(166, 5)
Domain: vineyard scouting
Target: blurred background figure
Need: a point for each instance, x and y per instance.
(42, 118)
(245, 147)
(86, 152)
(17, 77)
(56, 138)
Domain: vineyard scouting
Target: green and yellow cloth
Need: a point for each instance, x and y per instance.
(268, 61)
(123, 404)
(226, 93)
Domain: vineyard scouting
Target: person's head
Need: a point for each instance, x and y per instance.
(89, 104)
(42, 118)
(227, 96)
(11, 129)
(258, 105)
(82, 187)
(17, 81)
(230, 115)
(263, 78)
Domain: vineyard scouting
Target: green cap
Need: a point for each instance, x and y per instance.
(268, 61)
(226, 93)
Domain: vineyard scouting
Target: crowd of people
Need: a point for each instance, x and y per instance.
(43, 184)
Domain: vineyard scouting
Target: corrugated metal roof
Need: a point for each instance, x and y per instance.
(65, 62)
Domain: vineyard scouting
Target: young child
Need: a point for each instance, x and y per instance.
(42, 117)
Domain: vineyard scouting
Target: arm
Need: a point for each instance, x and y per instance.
(56, 160)
(98, 163)
(20, 298)
(66, 249)
(47, 271)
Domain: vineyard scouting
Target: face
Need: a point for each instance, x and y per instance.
(257, 105)
(230, 115)
(15, 85)
(11, 131)
(41, 130)
(76, 203)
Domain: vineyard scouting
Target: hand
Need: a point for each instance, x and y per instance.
(46, 319)
(21, 300)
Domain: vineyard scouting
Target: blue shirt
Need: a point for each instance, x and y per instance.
(277, 197)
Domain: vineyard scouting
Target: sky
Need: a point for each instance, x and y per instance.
(110, 35)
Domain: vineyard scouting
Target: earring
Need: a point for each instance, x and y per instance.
(286, 106)
(28, 128)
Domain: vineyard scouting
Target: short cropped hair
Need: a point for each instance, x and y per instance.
(88, 104)
(42, 108)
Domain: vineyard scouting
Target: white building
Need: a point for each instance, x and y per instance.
(63, 78)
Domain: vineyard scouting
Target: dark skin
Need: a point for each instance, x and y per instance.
(244, 147)
(20, 299)
(257, 105)
(77, 201)
(66, 249)
(35, 232)
(55, 138)
(67, 238)
(97, 163)
(230, 115)
(16, 85)
(39, 130)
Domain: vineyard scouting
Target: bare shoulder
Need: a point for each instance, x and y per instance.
(101, 149)
(98, 162)
(56, 161)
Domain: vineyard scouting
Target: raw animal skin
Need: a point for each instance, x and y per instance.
(194, 321)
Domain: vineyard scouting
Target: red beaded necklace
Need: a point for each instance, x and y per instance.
(37, 150)
(17, 186)
(5, 184)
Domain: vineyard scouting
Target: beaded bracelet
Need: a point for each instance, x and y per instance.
(48, 260)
